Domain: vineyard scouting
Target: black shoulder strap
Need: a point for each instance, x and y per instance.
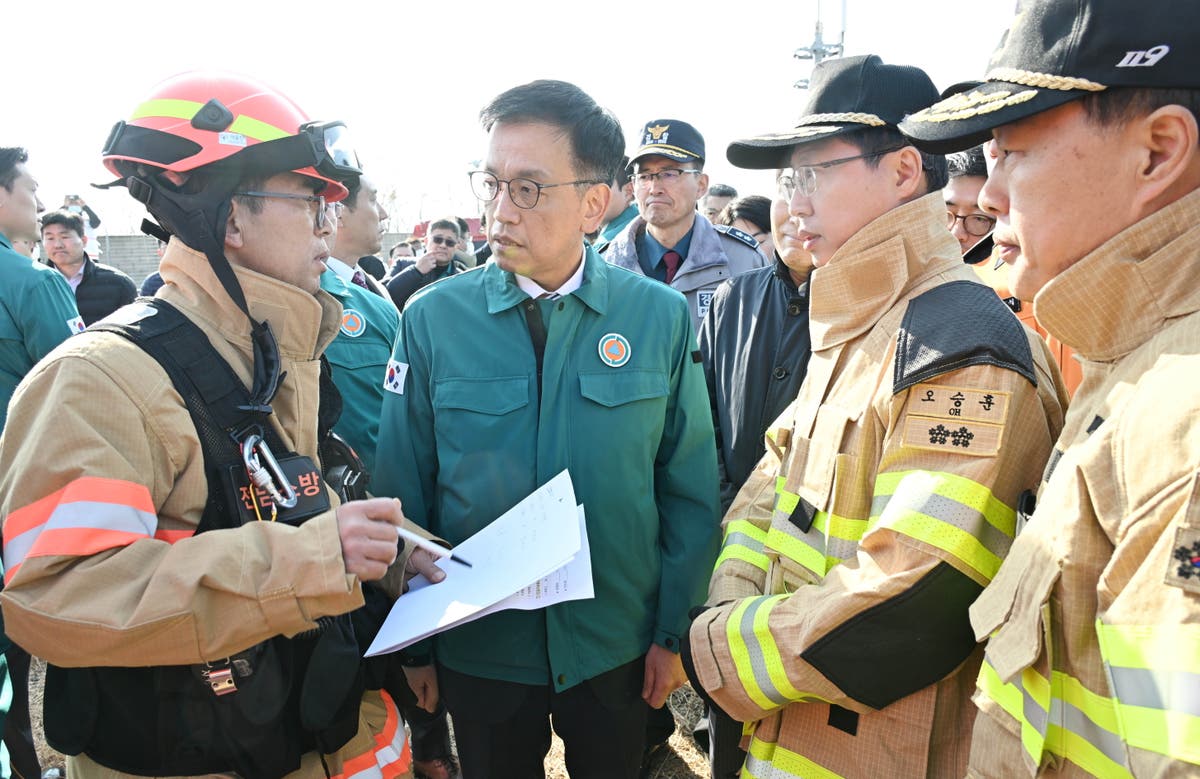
(217, 400)
(958, 324)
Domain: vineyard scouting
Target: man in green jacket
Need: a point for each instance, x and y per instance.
(37, 313)
(478, 416)
(37, 308)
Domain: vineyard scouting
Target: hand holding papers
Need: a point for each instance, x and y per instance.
(534, 555)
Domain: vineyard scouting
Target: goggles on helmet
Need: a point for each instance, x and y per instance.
(319, 149)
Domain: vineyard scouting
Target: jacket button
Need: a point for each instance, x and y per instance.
(795, 309)
(781, 373)
(562, 679)
(670, 642)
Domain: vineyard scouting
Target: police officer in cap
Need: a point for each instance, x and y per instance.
(669, 240)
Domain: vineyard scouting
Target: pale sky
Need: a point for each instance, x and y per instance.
(409, 78)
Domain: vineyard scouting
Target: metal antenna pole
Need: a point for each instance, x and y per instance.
(820, 50)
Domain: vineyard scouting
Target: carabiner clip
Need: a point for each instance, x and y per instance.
(264, 471)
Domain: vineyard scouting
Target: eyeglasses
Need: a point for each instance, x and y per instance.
(323, 209)
(804, 177)
(442, 240)
(668, 176)
(976, 225)
(524, 193)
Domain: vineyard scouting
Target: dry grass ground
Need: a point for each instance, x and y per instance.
(683, 760)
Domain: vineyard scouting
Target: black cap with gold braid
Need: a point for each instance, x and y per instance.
(1057, 51)
(845, 95)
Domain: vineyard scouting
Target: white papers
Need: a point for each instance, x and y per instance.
(573, 581)
(518, 561)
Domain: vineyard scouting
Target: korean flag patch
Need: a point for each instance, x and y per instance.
(393, 380)
(76, 325)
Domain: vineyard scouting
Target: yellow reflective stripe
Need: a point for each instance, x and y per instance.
(800, 552)
(959, 543)
(1171, 733)
(755, 654)
(1014, 701)
(254, 129)
(771, 761)
(175, 109)
(784, 501)
(961, 490)
(1159, 647)
(746, 528)
(845, 528)
(1156, 684)
(748, 556)
(1078, 724)
(744, 541)
(257, 129)
(956, 515)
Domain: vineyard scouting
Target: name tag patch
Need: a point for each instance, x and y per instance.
(704, 302)
(958, 403)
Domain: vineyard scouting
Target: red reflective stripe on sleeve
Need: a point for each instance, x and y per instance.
(370, 763)
(11, 572)
(172, 536)
(90, 488)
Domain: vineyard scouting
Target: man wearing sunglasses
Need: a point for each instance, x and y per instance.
(438, 262)
(670, 241)
(837, 621)
(202, 597)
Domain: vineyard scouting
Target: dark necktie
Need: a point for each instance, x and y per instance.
(360, 279)
(672, 260)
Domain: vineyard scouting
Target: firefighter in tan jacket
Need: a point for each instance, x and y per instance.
(168, 636)
(837, 621)
(1093, 661)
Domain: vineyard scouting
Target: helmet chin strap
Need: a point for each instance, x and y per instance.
(193, 218)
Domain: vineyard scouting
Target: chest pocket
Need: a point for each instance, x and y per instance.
(474, 415)
(811, 529)
(355, 355)
(623, 399)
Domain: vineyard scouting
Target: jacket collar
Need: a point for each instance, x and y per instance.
(705, 248)
(784, 274)
(1114, 299)
(303, 324)
(501, 290)
(878, 266)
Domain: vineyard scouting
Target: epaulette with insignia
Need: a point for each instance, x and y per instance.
(955, 325)
(741, 235)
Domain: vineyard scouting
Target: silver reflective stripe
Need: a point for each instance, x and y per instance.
(961, 516)
(742, 539)
(761, 769)
(1164, 690)
(1078, 722)
(384, 756)
(89, 514)
(757, 662)
(1035, 715)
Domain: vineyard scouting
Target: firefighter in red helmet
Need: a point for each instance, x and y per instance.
(171, 547)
